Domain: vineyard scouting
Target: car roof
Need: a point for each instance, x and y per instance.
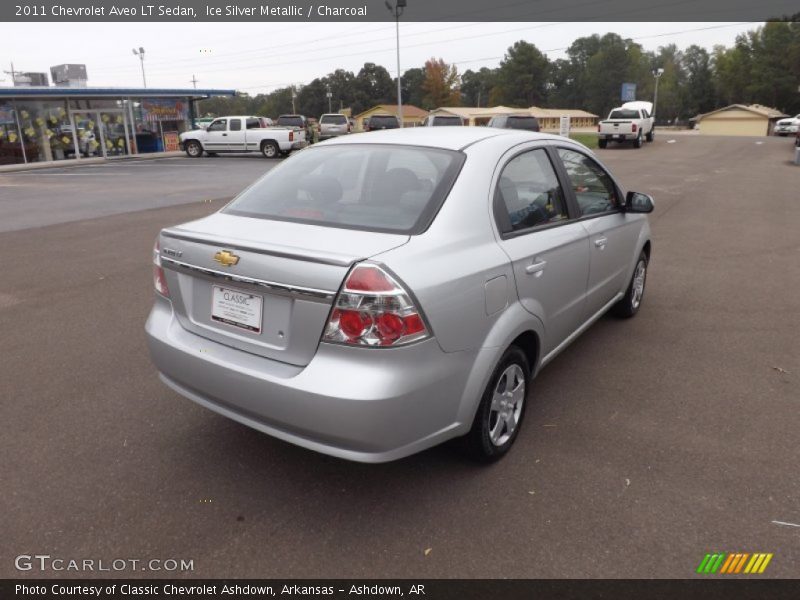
(449, 138)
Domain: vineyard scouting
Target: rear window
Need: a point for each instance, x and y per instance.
(380, 121)
(334, 119)
(371, 187)
(445, 121)
(527, 123)
(624, 114)
(290, 121)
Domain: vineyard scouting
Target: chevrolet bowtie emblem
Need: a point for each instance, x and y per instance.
(225, 258)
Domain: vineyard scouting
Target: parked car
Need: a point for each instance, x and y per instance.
(377, 295)
(633, 121)
(333, 125)
(442, 121)
(242, 134)
(520, 121)
(377, 122)
(788, 126)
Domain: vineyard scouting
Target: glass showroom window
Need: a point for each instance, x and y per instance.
(45, 129)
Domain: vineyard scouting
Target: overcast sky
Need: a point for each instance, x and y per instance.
(259, 57)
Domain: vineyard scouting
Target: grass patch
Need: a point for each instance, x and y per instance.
(587, 139)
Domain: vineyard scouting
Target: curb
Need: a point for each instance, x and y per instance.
(71, 163)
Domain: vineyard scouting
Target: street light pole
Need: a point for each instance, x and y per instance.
(140, 54)
(397, 10)
(657, 74)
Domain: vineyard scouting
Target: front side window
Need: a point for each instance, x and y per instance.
(594, 189)
(529, 193)
(218, 125)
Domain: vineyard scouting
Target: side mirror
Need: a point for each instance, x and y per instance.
(636, 202)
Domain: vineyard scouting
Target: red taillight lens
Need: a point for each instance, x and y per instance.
(373, 309)
(159, 279)
(633, 128)
(291, 136)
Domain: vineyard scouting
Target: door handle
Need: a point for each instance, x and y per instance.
(601, 242)
(536, 268)
(224, 135)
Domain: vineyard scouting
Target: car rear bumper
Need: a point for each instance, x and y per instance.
(362, 404)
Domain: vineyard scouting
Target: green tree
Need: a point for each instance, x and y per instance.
(477, 85)
(522, 76)
(411, 85)
(372, 85)
(699, 82)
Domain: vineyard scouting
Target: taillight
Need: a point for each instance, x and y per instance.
(159, 279)
(598, 127)
(633, 127)
(291, 136)
(373, 309)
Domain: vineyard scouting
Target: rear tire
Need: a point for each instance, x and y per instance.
(637, 143)
(270, 149)
(194, 149)
(499, 416)
(602, 143)
(630, 303)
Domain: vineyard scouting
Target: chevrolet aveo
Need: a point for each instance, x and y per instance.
(378, 294)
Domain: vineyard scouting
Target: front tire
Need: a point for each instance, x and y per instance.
(194, 149)
(499, 416)
(270, 149)
(630, 303)
(651, 136)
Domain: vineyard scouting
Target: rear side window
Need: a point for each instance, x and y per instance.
(371, 187)
(527, 123)
(594, 189)
(236, 124)
(528, 193)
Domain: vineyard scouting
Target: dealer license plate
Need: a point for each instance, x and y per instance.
(237, 308)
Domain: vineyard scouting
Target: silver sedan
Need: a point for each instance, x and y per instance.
(378, 294)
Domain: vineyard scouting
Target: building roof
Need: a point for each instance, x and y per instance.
(758, 109)
(539, 112)
(108, 92)
(409, 110)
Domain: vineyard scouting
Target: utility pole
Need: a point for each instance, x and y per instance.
(194, 81)
(13, 73)
(294, 96)
(397, 10)
(140, 54)
(330, 97)
(657, 74)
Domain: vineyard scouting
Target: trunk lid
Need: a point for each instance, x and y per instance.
(264, 287)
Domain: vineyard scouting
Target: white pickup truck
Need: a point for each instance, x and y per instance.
(242, 134)
(633, 121)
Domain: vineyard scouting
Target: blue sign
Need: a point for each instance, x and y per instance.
(628, 92)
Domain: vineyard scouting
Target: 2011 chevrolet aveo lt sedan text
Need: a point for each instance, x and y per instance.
(378, 294)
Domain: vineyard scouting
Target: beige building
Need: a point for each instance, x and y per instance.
(739, 119)
(549, 118)
(412, 115)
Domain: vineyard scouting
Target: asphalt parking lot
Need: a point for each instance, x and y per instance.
(647, 444)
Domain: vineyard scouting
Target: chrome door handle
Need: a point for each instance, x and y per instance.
(224, 135)
(536, 268)
(600, 242)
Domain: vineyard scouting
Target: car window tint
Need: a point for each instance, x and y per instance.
(334, 119)
(594, 189)
(218, 125)
(363, 186)
(253, 124)
(236, 124)
(530, 192)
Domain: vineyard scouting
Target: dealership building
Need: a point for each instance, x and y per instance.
(45, 123)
